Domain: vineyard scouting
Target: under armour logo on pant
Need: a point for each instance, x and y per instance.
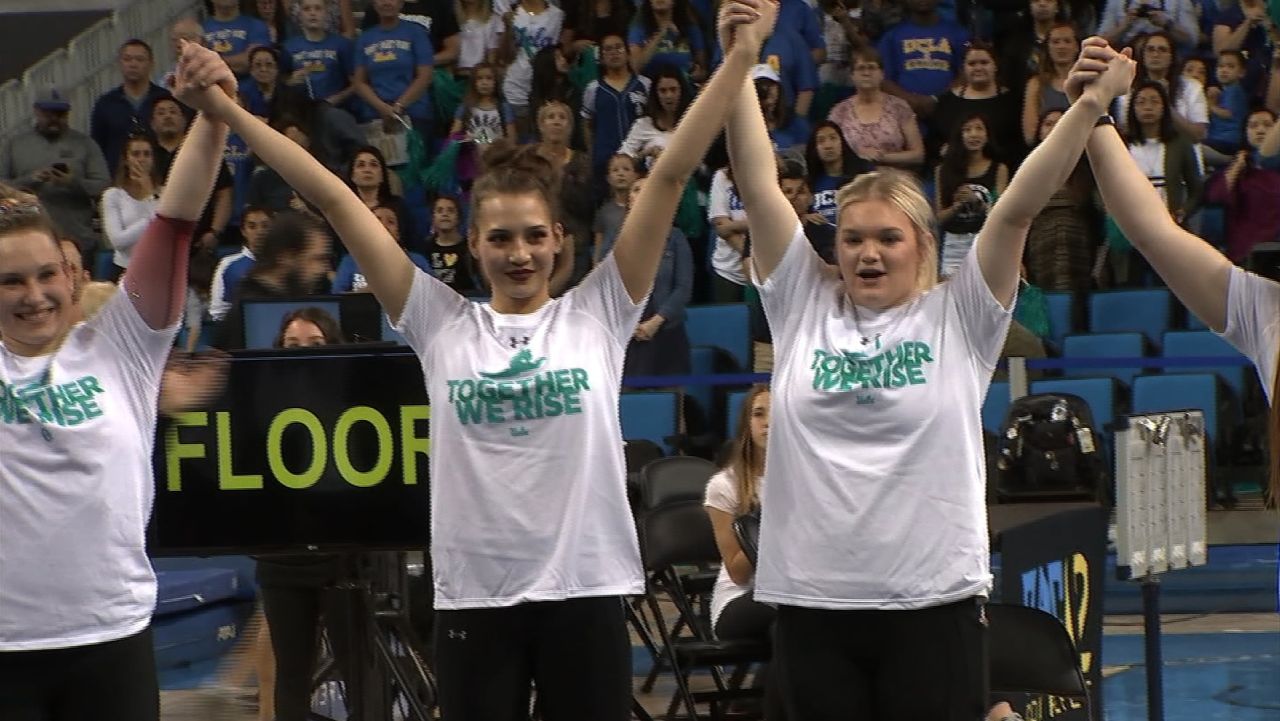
(459, 635)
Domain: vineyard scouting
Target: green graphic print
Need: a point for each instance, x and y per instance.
(900, 366)
(518, 393)
(51, 404)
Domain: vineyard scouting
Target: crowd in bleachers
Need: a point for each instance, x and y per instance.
(399, 97)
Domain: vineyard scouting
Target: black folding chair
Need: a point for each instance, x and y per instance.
(1031, 652)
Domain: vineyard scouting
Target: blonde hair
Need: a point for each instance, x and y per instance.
(93, 296)
(903, 192)
(747, 459)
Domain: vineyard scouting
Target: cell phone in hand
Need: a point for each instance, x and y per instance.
(61, 167)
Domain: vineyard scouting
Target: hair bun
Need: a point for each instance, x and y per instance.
(503, 155)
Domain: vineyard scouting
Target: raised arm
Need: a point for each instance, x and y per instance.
(644, 231)
(770, 217)
(1004, 233)
(157, 276)
(385, 265)
(1197, 273)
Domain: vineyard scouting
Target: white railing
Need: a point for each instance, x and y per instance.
(86, 68)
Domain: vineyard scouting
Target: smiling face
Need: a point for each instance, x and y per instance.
(974, 134)
(515, 242)
(879, 253)
(36, 292)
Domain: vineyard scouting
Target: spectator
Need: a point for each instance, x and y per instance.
(1250, 188)
(483, 116)
(273, 13)
(1023, 46)
(820, 233)
(1044, 89)
(550, 78)
(665, 33)
(978, 91)
(668, 99)
(659, 344)
(611, 103)
(1228, 104)
(124, 111)
(349, 278)
(1063, 238)
(448, 257)
(1125, 20)
(529, 26)
(1244, 25)
(293, 262)
(1198, 70)
(788, 130)
(255, 222)
(130, 203)
(729, 219)
(842, 32)
(1169, 160)
(338, 16)
(480, 34)
(64, 168)
(921, 55)
(831, 163)
(394, 66)
(1157, 62)
(879, 127)
(588, 22)
(267, 189)
(577, 199)
(368, 176)
(966, 183)
(786, 52)
(438, 17)
(168, 127)
(258, 91)
(317, 59)
(232, 34)
(622, 174)
(308, 327)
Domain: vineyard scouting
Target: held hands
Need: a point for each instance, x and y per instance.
(1100, 73)
(749, 22)
(203, 80)
(646, 330)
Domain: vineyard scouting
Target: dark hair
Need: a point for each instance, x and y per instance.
(328, 326)
(865, 53)
(681, 14)
(1239, 56)
(1167, 130)
(384, 188)
(585, 23)
(290, 232)
(781, 115)
(259, 49)
(1040, 121)
(279, 22)
(122, 179)
(848, 159)
(471, 96)
(548, 83)
(979, 46)
(1174, 91)
(1046, 63)
(1244, 131)
(954, 166)
(251, 208)
(138, 43)
(792, 170)
(511, 169)
(652, 107)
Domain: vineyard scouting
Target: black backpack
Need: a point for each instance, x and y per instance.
(1049, 450)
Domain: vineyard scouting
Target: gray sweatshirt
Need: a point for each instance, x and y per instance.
(70, 204)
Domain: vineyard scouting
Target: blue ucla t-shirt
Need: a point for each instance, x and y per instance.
(329, 58)
(232, 37)
(391, 57)
(675, 50)
(824, 196)
(239, 162)
(923, 59)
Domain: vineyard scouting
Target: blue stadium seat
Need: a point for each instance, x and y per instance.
(103, 264)
(732, 409)
(1180, 391)
(650, 416)
(1061, 309)
(726, 326)
(1098, 393)
(702, 361)
(1147, 311)
(995, 406)
(1194, 322)
(1201, 343)
(1103, 345)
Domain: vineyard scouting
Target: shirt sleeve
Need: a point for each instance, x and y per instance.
(423, 52)
(427, 311)
(139, 352)
(343, 277)
(218, 303)
(603, 296)
(1252, 324)
(722, 493)
(1194, 105)
(794, 281)
(984, 320)
(589, 100)
(123, 235)
(718, 196)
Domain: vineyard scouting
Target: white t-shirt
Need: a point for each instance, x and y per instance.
(528, 483)
(124, 218)
(74, 508)
(642, 136)
(722, 495)
(533, 33)
(1253, 326)
(723, 202)
(478, 38)
(877, 445)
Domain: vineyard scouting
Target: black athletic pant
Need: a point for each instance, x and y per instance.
(576, 653)
(921, 665)
(111, 681)
(746, 619)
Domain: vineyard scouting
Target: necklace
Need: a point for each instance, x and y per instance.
(866, 339)
(46, 380)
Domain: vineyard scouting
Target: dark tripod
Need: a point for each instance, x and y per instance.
(377, 655)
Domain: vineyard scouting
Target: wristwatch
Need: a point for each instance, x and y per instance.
(1105, 119)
